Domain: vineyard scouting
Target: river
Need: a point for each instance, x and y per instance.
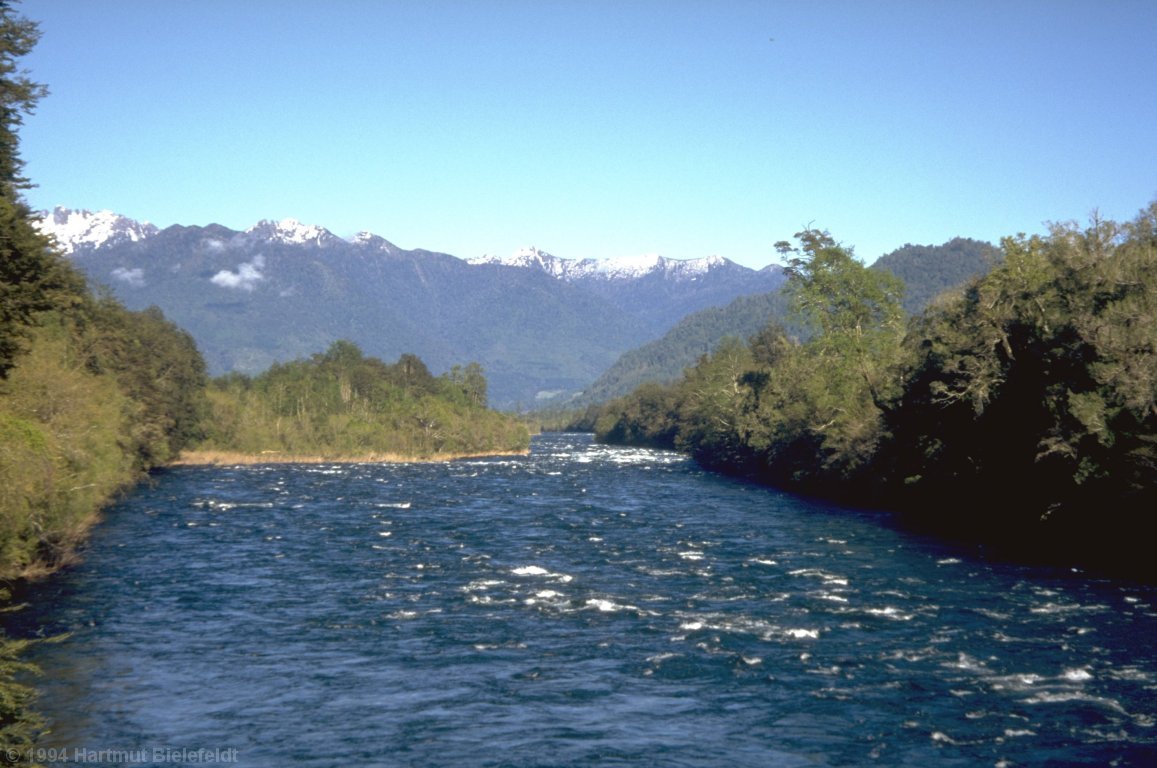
(581, 606)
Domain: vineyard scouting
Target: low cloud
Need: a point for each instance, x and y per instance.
(246, 277)
(134, 277)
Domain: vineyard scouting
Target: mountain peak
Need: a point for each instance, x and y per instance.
(292, 232)
(369, 240)
(76, 229)
(615, 268)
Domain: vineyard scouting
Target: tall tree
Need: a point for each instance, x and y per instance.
(855, 311)
(32, 277)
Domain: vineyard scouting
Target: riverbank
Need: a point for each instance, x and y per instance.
(225, 458)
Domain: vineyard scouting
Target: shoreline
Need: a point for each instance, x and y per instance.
(230, 458)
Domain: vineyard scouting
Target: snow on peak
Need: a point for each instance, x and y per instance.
(616, 268)
(371, 241)
(631, 266)
(78, 229)
(527, 256)
(291, 231)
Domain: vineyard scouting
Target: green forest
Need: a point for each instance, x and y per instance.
(1018, 411)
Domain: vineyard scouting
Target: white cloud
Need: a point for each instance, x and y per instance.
(246, 277)
(134, 277)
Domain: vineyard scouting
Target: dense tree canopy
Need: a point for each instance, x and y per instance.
(1021, 409)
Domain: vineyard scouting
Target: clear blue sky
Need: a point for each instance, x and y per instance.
(600, 128)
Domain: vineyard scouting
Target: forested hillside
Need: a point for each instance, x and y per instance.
(929, 270)
(1021, 410)
(926, 270)
(665, 359)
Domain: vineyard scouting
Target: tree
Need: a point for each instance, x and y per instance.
(18, 94)
(32, 277)
(1031, 398)
(471, 381)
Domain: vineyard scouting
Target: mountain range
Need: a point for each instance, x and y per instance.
(542, 327)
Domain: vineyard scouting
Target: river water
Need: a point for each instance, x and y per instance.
(582, 606)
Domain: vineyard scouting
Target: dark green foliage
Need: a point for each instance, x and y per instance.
(647, 417)
(19, 725)
(32, 277)
(30, 281)
(18, 95)
(930, 270)
(1021, 410)
(158, 367)
(1031, 396)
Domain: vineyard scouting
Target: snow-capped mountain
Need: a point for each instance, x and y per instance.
(541, 326)
(76, 230)
(616, 268)
(292, 232)
(80, 230)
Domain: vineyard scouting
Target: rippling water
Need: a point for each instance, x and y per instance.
(581, 606)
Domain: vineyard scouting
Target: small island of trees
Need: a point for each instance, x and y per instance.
(340, 405)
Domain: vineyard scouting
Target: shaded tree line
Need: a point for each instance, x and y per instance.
(1018, 411)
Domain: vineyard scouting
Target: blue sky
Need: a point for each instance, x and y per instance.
(599, 129)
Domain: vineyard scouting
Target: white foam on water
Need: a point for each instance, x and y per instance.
(481, 584)
(889, 612)
(1062, 608)
(827, 578)
(538, 570)
(1078, 675)
(1061, 697)
(608, 606)
(967, 663)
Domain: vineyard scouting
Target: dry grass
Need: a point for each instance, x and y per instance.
(222, 458)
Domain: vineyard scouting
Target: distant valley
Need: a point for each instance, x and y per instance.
(543, 328)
